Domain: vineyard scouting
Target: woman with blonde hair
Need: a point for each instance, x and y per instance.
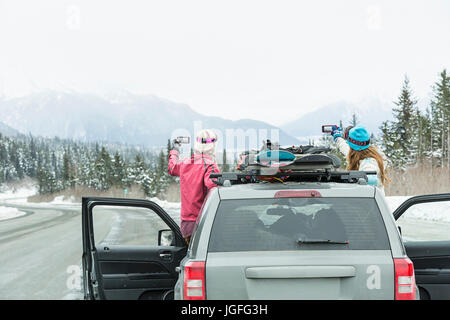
(194, 175)
(361, 154)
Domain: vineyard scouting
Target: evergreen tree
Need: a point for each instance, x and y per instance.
(387, 141)
(169, 146)
(405, 151)
(86, 170)
(66, 170)
(16, 160)
(41, 179)
(159, 175)
(118, 170)
(33, 157)
(142, 176)
(147, 182)
(55, 165)
(422, 127)
(162, 163)
(225, 165)
(169, 178)
(440, 112)
(354, 121)
(103, 170)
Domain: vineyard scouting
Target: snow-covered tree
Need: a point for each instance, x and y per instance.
(440, 112)
(118, 170)
(102, 170)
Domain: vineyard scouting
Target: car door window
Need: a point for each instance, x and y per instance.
(426, 222)
(122, 225)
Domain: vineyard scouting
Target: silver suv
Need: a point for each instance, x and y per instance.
(296, 240)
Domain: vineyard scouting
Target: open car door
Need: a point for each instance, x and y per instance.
(424, 222)
(130, 249)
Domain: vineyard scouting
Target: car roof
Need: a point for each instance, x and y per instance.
(268, 190)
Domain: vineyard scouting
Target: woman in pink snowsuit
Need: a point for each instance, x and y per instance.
(194, 178)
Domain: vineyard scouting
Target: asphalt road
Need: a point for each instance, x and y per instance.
(41, 251)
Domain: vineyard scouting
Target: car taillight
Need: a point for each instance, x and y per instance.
(298, 194)
(194, 281)
(405, 283)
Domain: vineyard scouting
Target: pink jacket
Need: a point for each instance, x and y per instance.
(194, 181)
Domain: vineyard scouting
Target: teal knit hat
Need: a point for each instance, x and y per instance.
(358, 138)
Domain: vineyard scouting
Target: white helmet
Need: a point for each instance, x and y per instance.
(205, 142)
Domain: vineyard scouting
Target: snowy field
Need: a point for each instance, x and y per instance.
(14, 195)
(438, 211)
(10, 213)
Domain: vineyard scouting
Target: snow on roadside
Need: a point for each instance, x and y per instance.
(166, 204)
(395, 201)
(61, 200)
(434, 211)
(10, 213)
(21, 193)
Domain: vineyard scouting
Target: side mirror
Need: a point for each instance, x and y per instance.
(166, 238)
(399, 229)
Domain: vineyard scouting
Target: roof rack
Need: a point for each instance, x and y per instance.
(317, 176)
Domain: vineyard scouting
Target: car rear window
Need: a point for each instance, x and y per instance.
(286, 223)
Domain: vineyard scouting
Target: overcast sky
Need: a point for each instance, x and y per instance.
(266, 60)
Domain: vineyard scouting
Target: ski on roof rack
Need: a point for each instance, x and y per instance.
(317, 176)
(273, 163)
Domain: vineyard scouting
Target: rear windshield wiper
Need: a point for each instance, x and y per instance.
(319, 241)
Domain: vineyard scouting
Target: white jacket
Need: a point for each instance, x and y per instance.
(368, 164)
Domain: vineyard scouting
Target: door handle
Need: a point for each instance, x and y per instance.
(165, 256)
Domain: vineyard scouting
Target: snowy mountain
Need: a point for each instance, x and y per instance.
(370, 113)
(7, 130)
(123, 117)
